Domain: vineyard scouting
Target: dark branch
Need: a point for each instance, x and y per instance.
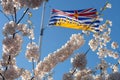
(87, 51)
(9, 59)
(2, 76)
(32, 78)
(15, 14)
(74, 71)
(5, 15)
(33, 65)
(16, 33)
(12, 17)
(23, 15)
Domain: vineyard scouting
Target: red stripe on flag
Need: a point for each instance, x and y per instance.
(88, 14)
(83, 13)
(86, 10)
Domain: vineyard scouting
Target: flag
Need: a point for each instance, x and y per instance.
(85, 19)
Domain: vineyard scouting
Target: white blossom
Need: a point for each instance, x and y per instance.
(31, 32)
(32, 52)
(110, 53)
(115, 68)
(86, 32)
(114, 45)
(108, 22)
(97, 36)
(106, 37)
(108, 31)
(115, 55)
(12, 73)
(79, 61)
(26, 75)
(78, 75)
(8, 7)
(83, 74)
(103, 65)
(103, 27)
(114, 76)
(67, 76)
(11, 45)
(30, 3)
(6, 58)
(93, 44)
(102, 52)
(9, 28)
(99, 77)
(29, 21)
(24, 29)
(87, 77)
(108, 5)
(50, 78)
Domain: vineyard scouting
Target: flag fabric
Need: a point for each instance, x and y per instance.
(85, 19)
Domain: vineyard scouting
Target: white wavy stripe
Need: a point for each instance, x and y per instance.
(55, 14)
(82, 21)
(77, 21)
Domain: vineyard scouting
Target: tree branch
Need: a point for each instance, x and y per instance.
(23, 15)
(2, 76)
(5, 15)
(15, 14)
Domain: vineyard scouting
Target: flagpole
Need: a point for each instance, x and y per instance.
(41, 30)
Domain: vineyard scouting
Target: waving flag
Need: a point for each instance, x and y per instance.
(85, 19)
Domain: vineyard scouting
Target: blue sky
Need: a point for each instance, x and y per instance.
(55, 37)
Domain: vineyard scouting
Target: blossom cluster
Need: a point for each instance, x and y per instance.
(89, 74)
(49, 62)
(11, 28)
(29, 3)
(12, 73)
(12, 46)
(100, 40)
(11, 6)
(32, 52)
(79, 61)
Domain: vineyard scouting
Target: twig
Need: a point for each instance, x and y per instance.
(15, 33)
(23, 15)
(32, 78)
(5, 15)
(2, 76)
(9, 58)
(33, 68)
(87, 51)
(74, 71)
(12, 17)
(33, 65)
(103, 8)
(15, 14)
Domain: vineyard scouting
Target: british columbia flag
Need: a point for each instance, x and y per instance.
(85, 16)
